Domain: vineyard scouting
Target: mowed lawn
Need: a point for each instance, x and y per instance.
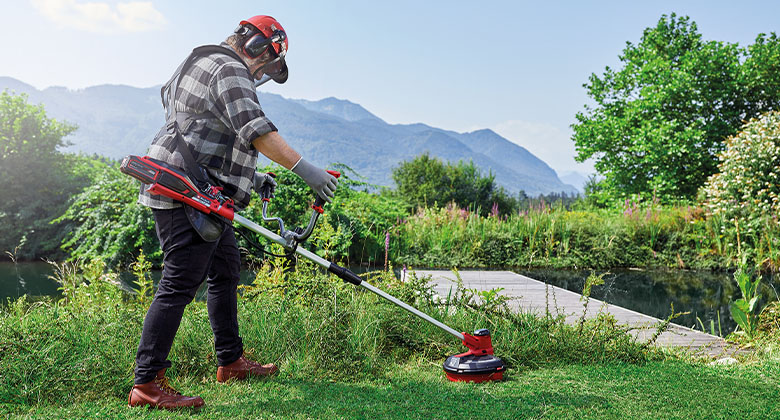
(657, 390)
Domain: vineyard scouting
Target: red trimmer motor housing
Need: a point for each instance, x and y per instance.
(478, 364)
(173, 183)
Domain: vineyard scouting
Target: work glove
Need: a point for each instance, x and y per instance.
(265, 181)
(323, 183)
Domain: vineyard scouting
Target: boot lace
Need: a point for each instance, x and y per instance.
(165, 386)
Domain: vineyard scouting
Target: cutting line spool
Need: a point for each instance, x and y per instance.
(478, 364)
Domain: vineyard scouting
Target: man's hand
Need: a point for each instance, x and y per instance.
(323, 183)
(264, 181)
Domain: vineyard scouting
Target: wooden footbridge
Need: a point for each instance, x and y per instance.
(527, 294)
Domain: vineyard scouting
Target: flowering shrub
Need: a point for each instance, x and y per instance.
(746, 187)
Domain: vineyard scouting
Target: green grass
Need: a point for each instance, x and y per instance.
(344, 353)
(657, 390)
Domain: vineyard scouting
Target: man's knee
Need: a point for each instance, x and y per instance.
(173, 293)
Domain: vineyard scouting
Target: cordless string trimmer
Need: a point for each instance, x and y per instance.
(478, 364)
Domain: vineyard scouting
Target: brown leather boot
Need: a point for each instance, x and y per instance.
(159, 394)
(243, 367)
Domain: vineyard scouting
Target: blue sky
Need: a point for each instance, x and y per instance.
(515, 67)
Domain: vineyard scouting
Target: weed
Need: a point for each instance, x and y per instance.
(744, 310)
(663, 326)
(143, 278)
(592, 280)
(81, 347)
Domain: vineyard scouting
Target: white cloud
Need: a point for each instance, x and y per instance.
(547, 142)
(135, 16)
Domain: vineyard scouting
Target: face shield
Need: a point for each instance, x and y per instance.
(262, 48)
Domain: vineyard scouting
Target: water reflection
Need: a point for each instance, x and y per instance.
(704, 295)
(33, 279)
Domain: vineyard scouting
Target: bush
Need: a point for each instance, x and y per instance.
(426, 181)
(746, 191)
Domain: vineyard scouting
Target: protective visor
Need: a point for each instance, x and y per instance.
(261, 47)
(275, 70)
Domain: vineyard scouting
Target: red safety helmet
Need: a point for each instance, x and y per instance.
(265, 36)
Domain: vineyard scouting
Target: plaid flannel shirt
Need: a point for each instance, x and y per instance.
(221, 142)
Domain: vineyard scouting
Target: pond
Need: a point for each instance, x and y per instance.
(34, 279)
(704, 295)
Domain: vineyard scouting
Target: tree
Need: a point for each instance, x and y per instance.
(108, 223)
(426, 181)
(36, 178)
(761, 75)
(659, 122)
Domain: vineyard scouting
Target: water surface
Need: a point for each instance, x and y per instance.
(704, 295)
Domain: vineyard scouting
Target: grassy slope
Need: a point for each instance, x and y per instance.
(658, 390)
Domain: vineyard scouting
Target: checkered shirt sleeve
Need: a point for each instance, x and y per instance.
(223, 89)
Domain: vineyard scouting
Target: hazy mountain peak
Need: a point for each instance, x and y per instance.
(484, 132)
(13, 85)
(341, 108)
(117, 120)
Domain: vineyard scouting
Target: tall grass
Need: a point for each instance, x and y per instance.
(640, 236)
(82, 347)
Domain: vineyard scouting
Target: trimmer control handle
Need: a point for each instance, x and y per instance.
(319, 201)
(265, 190)
(296, 236)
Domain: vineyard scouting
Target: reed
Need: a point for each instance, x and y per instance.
(649, 237)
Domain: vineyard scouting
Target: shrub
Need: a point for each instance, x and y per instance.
(747, 187)
(428, 181)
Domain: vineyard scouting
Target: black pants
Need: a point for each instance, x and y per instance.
(187, 261)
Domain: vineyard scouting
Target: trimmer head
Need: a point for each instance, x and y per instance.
(476, 365)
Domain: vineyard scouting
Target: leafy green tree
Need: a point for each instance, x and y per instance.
(37, 179)
(108, 222)
(761, 75)
(659, 122)
(427, 181)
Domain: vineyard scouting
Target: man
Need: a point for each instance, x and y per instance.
(221, 128)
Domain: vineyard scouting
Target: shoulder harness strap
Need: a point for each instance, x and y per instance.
(174, 119)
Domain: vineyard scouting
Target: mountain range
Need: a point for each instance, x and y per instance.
(117, 120)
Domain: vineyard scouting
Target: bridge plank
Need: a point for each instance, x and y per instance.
(532, 295)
